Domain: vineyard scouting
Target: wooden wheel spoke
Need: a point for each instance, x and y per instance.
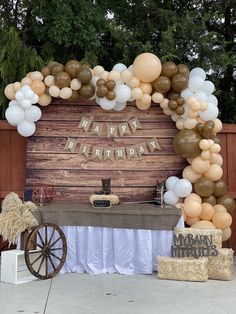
(40, 237)
(34, 252)
(46, 265)
(51, 261)
(41, 263)
(37, 259)
(55, 241)
(40, 246)
(56, 256)
(49, 242)
(57, 249)
(46, 234)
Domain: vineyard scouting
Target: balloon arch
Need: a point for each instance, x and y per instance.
(186, 96)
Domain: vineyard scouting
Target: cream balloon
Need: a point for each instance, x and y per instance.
(16, 86)
(126, 76)
(226, 234)
(134, 82)
(146, 87)
(65, 93)
(36, 75)
(45, 100)
(204, 144)
(26, 81)
(98, 70)
(218, 126)
(49, 80)
(216, 159)
(9, 91)
(136, 93)
(54, 91)
(114, 75)
(75, 84)
(157, 97)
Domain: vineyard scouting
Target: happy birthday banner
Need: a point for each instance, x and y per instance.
(104, 153)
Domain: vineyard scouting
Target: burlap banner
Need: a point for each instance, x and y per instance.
(112, 129)
(113, 153)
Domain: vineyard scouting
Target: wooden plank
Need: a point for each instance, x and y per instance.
(84, 177)
(223, 143)
(18, 153)
(5, 160)
(231, 157)
(75, 161)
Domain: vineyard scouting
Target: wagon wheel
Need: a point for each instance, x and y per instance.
(38, 195)
(50, 250)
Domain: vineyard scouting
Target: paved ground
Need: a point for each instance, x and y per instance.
(116, 294)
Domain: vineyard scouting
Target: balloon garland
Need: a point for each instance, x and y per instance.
(186, 96)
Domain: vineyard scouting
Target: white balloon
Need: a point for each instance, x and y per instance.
(14, 114)
(123, 93)
(198, 72)
(186, 93)
(186, 111)
(35, 99)
(208, 87)
(25, 88)
(210, 113)
(170, 198)
(213, 100)
(201, 96)
(29, 94)
(107, 104)
(94, 80)
(19, 95)
(131, 68)
(195, 83)
(182, 188)
(33, 114)
(170, 183)
(13, 103)
(120, 106)
(26, 128)
(119, 67)
(25, 103)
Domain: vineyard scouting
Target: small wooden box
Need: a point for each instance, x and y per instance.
(13, 267)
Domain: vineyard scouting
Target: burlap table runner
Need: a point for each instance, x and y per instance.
(135, 216)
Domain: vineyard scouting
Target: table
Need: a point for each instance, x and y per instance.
(145, 231)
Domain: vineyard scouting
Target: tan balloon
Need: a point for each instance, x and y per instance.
(199, 165)
(208, 211)
(220, 208)
(26, 81)
(75, 84)
(126, 76)
(134, 82)
(54, 91)
(174, 117)
(192, 209)
(164, 103)
(38, 87)
(146, 87)
(216, 159)
(49, 80)
(204, 144)
(203, 224)
(214, 172)
(226, 234)
(44, 100)
(136, 93)
(190, 174)
(157, 97)
(65, 93)
(193, 197)
(222, 220)
(218, 126)
(143, 103)
(9, 91)
(168, 112)
(36, 75)
(192, 220)
(16, 86)
(98, 70)
(147, 67)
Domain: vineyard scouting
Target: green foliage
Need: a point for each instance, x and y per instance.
(197, 33)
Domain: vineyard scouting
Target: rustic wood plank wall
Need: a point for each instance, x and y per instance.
(75, 177)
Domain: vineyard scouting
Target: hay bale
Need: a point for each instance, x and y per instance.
(220, 267)
(182, 269)
(114, 199)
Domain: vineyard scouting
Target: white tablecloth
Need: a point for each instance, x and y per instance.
(112, 250)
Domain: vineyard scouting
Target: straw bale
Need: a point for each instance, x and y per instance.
(220, 267)
(182, 269)
(114, 199)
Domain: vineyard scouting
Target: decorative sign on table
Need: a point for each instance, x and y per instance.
(112, 130)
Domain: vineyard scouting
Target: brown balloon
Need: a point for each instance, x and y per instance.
(220, 188)
(87, 90)
(51, 64)
(186, 143)
(172, 104)
(172, 95)
(180, 110)
(102, 91)
(216, 139)
(100, 82)
(74, 97)
(111, 95)
(110, 84)
(183, 69)
(207, 131)
(179, 82)
(169, 69)
(199, 128)
(72, 67)
(45, 71)
(58, 67)
(62, 79)
(210, 199)
(203, 187)
(46, 91)
(180, 101)
(162, 84)
(227, 201)
(84, 75)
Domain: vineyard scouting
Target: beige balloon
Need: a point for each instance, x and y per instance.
(180, 124)
(36, 75)
(134, 82)
(226, 234)
(146, 87)
(147, 67)
(193, 114)
(192, 220)
(199, 165)
(204, 144)
(143, 105)
(114, 75)
(16, 86)
(203, 224)
(190, 123)
(174, 117)
(222, 220)
(44, 100)
(65, 93)
(75, 84)
(193, 197)
(104, 75)
(206, 155)
(26, 81)
(167, 112)
(216, 159)
(208, 211)
(164, 103)
(98, 70)
(54, 91)
(218, 126)
(214, 172)
(192, 209)
(49, 80)
(220, 208)
(136, 93)
(9, 91)
(215, 148)
(126, 76)
(157, 97)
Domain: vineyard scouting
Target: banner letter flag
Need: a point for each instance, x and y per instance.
(131, 152)
(141, 149)
(120, 153)
(135, 124)
(97, 128)
(124, 128)
(71, 145)
(153, 144)
(108, 153)
(84, 149)
(97, 152)
(85, 123)
(111, 130)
